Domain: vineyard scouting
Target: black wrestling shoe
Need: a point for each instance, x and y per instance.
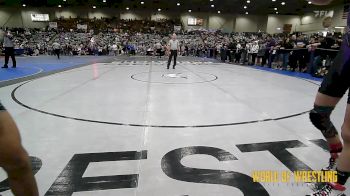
(5, 67)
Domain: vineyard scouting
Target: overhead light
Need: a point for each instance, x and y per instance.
(59, 5)
(104, 1)
(211, 0)
(276, 12)
(278, 28)
(339, 27)
(127, 8)
(64, 0)
(24, 5)
(142, 2)
(283, 3)
(178, 4)
(248, 1)
(245, 7)
(219, 12)
(190, 11)
(94, 7)
(212, 5)
(246, 13)
(273, 0)
(159, 10)
(309, 2)
(275, 8)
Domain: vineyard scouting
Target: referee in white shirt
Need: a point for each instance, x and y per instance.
(174, 46)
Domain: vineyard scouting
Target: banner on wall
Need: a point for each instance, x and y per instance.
(40, 17)
(195, 22)
(82, 26)
(323, 13)
(53, 25)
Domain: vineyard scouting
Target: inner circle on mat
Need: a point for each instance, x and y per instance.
(101, 94)
(174, 77)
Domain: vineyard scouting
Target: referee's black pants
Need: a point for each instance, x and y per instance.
(10, 52)
(57, 52)
(173, 53)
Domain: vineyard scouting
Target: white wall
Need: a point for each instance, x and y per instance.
(69, 13)
(98, 13)
(311, 24)
(222, 22)
(262, 23)
(133, 15)
(278, 21)
(10, 18)
(160, 16)
(337, 18)
(249, 23)
(130, 16)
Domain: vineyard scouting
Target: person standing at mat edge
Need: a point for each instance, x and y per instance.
(14, 159)
(334, 86)
(174, 47)
(57, 48)
(9, 50)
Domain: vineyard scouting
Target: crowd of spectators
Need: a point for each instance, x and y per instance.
(160, 26)
(311, 54)
(296, 52)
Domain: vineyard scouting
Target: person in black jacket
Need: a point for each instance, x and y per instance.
(285, 50)
(231, 48)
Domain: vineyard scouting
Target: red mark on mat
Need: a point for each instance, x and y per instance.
(95, 68)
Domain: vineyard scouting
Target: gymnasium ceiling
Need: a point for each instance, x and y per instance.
(224, 6)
